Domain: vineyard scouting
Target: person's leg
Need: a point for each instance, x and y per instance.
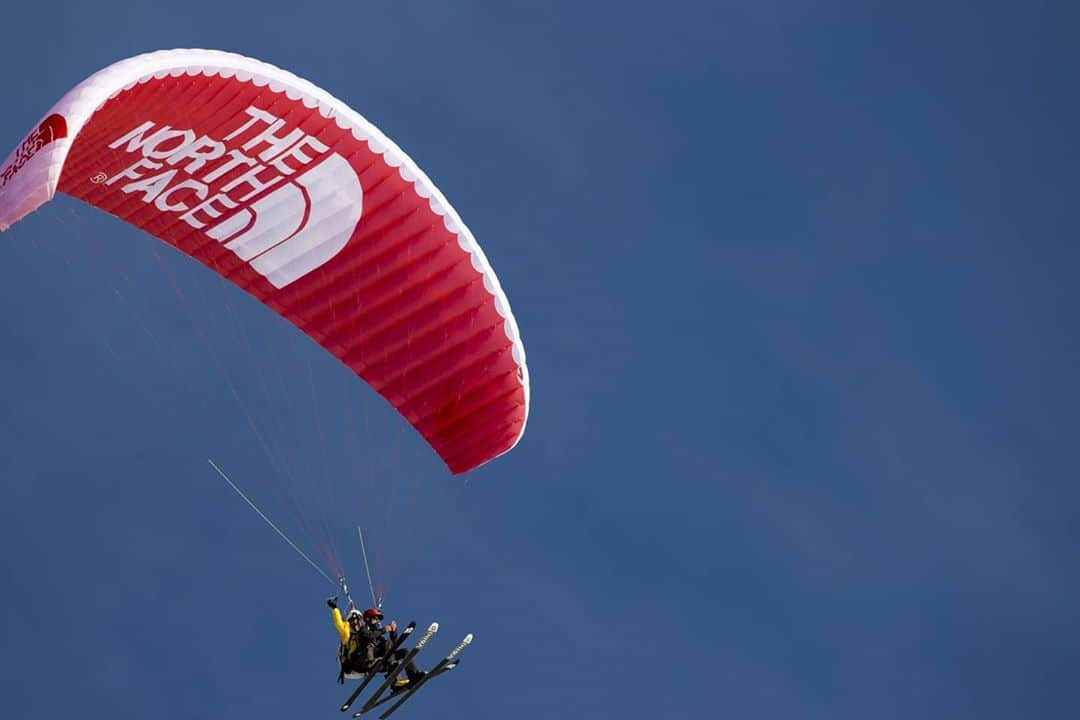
(411, 670)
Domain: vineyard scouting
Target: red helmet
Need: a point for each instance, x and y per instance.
(373, 613)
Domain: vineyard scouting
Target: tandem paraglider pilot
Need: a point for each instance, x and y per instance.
(364, 644)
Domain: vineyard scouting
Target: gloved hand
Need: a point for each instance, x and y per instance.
(332, 602)
(392, 627)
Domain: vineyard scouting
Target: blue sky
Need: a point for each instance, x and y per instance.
(796, 281)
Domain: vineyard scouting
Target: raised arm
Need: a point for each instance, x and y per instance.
(340, 624)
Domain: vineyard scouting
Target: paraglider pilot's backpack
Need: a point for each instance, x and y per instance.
(343, 657)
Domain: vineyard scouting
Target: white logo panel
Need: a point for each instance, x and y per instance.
(335, 203)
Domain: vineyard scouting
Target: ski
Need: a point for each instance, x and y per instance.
(392, 675)
(396, 694)
(446, 664)
(379, 666)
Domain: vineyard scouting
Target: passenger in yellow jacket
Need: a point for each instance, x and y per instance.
(364, 643)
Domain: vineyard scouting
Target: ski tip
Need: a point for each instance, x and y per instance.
(434, 627)
(468, 639)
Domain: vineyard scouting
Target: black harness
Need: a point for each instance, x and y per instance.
(356, 660)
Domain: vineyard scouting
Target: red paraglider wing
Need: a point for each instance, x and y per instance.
(298, 200)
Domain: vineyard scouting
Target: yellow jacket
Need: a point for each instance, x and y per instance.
(342, 626)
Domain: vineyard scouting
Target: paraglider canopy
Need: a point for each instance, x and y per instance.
(293, 196)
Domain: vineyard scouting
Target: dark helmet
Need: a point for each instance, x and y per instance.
(373, 614)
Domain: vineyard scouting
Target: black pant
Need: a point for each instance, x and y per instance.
(410, 669)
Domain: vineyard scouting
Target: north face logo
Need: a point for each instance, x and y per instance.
(292, 207)
(51, 128)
